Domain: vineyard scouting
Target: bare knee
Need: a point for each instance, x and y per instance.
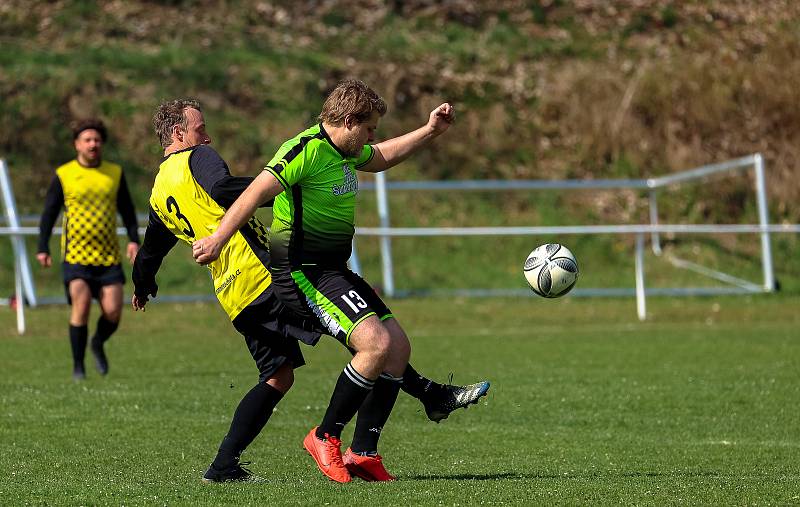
(79, 313)
(381, 342)
(373, 345)
(111, 302)
(113, 315)
(282, 379)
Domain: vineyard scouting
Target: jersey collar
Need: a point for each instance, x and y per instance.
(328, 138)
(165, 157)
(88, 166)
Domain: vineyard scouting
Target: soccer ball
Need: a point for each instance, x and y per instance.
(551, 270)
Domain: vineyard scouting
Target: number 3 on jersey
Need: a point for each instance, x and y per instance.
(172, 203)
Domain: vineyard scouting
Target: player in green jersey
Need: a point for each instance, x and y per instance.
(189, 196)
(312, 179)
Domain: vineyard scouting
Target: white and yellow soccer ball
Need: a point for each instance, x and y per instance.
(551, 270)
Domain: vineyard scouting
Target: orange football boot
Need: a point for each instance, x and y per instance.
(328, 455)
(369, 468)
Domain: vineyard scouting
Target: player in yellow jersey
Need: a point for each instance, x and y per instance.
(92, 191)
(191, 187)
(190, 193)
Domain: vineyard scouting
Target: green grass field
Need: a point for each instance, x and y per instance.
(698, 405)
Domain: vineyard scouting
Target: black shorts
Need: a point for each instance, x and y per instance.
(337, 299)
(95, 276)
(272, 334)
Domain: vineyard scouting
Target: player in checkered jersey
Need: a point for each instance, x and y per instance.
(92, 191)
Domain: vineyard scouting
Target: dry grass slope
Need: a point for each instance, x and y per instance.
(546, 88)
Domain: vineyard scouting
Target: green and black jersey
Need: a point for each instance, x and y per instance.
(314, 218)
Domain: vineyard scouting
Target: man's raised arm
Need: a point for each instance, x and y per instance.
(264, 188)
(391, 152)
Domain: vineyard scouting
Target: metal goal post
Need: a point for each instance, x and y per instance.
(385, 232)
(25, 291)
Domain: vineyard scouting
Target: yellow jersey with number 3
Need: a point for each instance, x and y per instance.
(190, 213)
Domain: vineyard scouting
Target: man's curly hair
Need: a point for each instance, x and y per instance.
(169, 114)
(97, 124)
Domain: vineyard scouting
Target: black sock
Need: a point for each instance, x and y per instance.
(249, 419)
(105, 328)
(77, 340)
(415, 384)
(374, 413)
(348, 395)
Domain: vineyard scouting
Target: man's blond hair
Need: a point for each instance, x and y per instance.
(351, 97)
(169, 114)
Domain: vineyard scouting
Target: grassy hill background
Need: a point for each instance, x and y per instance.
(544, 89)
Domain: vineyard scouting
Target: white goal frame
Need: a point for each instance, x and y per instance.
(763, 228)
(25, 291)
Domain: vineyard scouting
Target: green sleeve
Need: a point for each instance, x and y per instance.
(293, 162)
(366, 156)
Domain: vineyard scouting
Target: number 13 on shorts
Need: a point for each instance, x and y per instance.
(354, 301)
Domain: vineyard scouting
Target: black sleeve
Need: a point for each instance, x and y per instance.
(158, 241)
(228, 189)
(213, 175)
(126, 210)
(53, 203)
(207, 167)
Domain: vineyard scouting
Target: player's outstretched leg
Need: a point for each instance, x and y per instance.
(441, 399)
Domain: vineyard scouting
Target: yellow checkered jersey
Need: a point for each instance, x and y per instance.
(187, 210)
(89, 225)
